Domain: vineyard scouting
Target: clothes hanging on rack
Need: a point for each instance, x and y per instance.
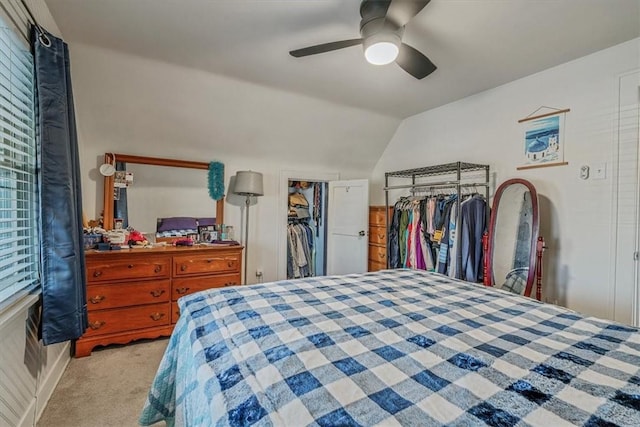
(473, 215)
(317, 205)
(447, 249)
(300, 243)
(444, 225)
(423, 235)
(452, 227)
(300, 250)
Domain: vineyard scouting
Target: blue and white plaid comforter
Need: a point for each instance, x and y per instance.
(396, 347)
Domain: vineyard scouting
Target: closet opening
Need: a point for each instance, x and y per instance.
(339, 228)
(306, 232)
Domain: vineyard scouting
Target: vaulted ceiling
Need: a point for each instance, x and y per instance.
(476, 44)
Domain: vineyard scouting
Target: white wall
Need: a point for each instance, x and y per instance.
(138, 106)
(577, 215)
(133, 105)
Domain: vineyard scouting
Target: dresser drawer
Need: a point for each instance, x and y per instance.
(378, 235)
(375, 266)
(376, 215)
(182, 287)
(134, 268)
(378, 254)
(128, 319)
(200, 264)
(105, 296)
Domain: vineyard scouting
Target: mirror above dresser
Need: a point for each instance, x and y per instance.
(161, 188)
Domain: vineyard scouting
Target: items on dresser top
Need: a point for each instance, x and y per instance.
(132, 294)
(195, 229)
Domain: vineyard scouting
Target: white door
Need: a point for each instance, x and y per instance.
(625, 255)
(348, 226)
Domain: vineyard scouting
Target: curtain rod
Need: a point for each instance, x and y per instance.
(41, 33)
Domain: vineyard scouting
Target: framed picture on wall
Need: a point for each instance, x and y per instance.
(543, 140)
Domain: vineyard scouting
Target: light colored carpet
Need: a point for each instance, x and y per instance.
(105, 389)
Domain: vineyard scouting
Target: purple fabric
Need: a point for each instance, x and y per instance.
(183, 223)
(420, 263)
(176, 223)
(206, 221)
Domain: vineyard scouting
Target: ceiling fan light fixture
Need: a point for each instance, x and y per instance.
(381, 49)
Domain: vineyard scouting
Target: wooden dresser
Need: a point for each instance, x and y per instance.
(377, 238)
(133, 293)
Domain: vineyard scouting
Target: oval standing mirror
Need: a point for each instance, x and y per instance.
(513, 237)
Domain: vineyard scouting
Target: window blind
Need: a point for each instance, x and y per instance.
(18, 195)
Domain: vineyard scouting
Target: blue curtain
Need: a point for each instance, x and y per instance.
(64, 309)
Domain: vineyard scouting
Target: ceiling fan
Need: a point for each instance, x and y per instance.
(381, 29)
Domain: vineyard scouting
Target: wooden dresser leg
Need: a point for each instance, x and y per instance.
(82, 349)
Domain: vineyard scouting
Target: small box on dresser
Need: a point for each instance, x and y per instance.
(133, 294)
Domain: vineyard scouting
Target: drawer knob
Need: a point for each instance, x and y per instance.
(96, 299)
(158, 269)
(97, 273)
(183, 267)
(97, 324)
(230, 263)
(381, 255)
(130, 266)
(182, 291)
(209, 261)
(380, 236)
(230, 284)
(157, 316)
(157, 292)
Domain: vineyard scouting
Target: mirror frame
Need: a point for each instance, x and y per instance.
(535, 230)
(107, 214)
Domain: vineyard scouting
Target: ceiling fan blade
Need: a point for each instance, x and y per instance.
(400, 12)
(325, 47)
(414, 62)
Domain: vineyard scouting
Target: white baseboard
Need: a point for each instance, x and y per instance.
(50, 381)
(28, 419)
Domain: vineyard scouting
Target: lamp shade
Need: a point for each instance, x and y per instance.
(248, 183)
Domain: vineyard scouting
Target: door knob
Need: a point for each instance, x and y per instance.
(361, 233)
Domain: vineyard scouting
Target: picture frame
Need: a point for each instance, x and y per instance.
(205, 233)
(543, 140)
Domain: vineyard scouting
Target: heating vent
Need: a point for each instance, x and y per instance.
(19, 369)
(29, 372)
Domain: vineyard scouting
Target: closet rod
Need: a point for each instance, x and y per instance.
(434, 184)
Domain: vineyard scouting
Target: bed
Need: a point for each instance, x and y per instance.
(395, 347)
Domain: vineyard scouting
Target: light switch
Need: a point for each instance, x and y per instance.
(584, 172)
(599, 171)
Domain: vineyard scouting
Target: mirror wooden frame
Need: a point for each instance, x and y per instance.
(535, 231)
(111, 158)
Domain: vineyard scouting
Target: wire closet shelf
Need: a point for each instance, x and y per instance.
(456, 175)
